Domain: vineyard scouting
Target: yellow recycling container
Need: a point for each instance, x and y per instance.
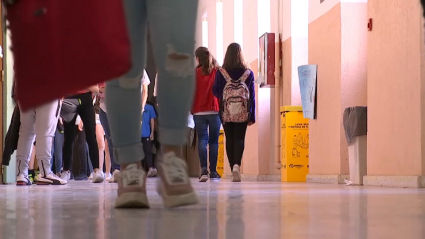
(220, 158)
(294, 141)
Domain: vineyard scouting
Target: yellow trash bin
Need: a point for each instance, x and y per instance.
(295, 142)
(220, 158)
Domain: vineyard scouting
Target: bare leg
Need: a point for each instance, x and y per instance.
(100, 138)
(32, 160)
(107, 158)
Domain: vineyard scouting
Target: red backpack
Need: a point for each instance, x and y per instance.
(62, 46)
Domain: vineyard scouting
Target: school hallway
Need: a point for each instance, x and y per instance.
(227, 210)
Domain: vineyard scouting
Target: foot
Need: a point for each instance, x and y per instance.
(152, 172)
(23, 180)
(114, 176)
(36, 173)
(131, 188)
(204, 176)
(66, 175)
(236, 173)
(214, 176)
(108, 177)
(80, 177)
(98, 176)
(174, 186)
(31, 177)
(49, 179)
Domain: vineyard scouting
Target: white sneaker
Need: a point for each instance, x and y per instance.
(91, 176)
(108, 176)
(66, 175)
(114, 176)
(236, 173)
(131, 188)
(98, 177)
(23, 180)
(152, 172)
(174, 187)
(50, 179)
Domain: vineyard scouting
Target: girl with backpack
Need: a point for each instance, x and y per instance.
(205, 113)
(234, 87)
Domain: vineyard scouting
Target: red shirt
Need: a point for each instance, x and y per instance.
(204, 100)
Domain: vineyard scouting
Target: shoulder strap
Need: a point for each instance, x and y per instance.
(225, 74)
(245, 75)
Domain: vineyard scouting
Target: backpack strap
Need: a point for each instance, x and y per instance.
(245, 75)
(225, 74)
(228, 78)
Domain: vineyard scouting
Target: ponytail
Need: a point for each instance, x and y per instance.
(206, 60)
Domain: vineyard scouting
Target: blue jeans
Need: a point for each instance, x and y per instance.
(172, 27)
(203, 124)
(105, 124)
(57, 151)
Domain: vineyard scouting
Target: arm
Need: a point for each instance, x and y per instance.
(145, 83)
(152, 128)
(251, 86)
(94, 89)
(216, 86)
(152, 122)
(144, 95)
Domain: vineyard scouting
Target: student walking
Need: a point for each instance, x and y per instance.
(39, 122)
(172, 27)
(205, 110)
(234, 87)
(147, 133)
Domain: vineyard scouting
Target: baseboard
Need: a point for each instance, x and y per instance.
(395, 181)
(327, 179)
(257, 178)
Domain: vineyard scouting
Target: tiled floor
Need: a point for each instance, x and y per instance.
(227, 210)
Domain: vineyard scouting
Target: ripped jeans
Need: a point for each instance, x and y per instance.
(172, 31)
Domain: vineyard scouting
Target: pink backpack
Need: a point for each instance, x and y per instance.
(235, 104)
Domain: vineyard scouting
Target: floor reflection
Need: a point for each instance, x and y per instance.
(227, 210)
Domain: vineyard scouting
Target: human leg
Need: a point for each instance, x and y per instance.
(173, 37)
(230, 138)
(105, 123)
(201, 126)
(25, 145)
(214, 133)
(123, 102)
(147, 148)
(46, 120)
(107, 161)
(239, 143)
(81, 168)
(86, 112)
(100, 138)
(239, 131)
(70, 132)
(59, 138)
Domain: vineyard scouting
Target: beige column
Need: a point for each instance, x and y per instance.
(228, 24)
(396, 91)
(338, 45)
(250, 45)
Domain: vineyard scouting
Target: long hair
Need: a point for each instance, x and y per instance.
(423, 6)
(206, 60)
(234, 59)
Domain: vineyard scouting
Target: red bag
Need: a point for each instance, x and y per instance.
(64, 46)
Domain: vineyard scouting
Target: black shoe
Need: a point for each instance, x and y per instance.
(214, 176)
(80, 177)
(204, 176)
